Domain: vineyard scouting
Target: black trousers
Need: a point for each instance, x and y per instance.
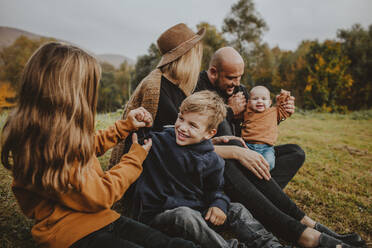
(265, 199)
(128, 233)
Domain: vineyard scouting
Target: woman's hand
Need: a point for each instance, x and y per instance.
(225, 139)
(216, 216)
(140, 117)
(252, 160)
(147, 142)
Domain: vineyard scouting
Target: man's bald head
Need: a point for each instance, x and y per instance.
(225, 56)
(226, 69)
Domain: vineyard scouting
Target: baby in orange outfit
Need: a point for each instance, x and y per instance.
(260, 126)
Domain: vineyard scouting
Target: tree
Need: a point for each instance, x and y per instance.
(109, 94)
(292, 72)
(145, 64)
(244, 25)
(357, 46)
(14, 58)
(212, 41)
(7, 95)
(123, 79)
(328, 84)
(265, 70)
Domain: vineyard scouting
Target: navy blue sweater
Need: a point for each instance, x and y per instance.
(175, 176)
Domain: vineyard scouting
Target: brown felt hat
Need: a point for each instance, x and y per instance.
(176, 41)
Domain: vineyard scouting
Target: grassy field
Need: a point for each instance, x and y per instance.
(334, 186)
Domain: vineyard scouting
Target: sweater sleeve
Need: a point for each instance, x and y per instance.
(214, 183)
(100, 190)
(106, 139)
(282, 114)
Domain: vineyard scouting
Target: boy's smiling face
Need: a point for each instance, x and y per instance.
(191, 128)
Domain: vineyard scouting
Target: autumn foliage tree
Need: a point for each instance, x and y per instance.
(14, 57)
(145, 64)
(244, 27)
(328, 82)
(212, 41)
(356, 44)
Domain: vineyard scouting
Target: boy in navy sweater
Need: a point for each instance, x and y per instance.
(180, 190)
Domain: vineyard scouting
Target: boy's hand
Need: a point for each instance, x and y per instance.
(147, 142)
(140, 117)
(216, 216)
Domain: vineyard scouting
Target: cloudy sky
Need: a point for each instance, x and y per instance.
(128, 27)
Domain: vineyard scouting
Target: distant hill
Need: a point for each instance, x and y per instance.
(115, 59)
(9, 35)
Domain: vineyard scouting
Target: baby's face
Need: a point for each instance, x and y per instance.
(259, 100)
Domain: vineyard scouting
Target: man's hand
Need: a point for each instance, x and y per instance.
(254, 162)
(140, 117)
(216, 216)
(147, 142)
(224, 139)
(237, 103)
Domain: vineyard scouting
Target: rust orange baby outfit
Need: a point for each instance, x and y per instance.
(262, 128)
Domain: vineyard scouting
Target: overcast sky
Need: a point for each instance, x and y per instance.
(128, 27)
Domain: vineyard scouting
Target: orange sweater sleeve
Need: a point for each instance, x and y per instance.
(106, 139)
(100, 190)
(282, 113)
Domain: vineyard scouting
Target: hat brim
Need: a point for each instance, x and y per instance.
(180, 50)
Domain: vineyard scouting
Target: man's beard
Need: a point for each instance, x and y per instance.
(221, 92)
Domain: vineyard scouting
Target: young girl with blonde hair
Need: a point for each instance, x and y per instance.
(49, 144)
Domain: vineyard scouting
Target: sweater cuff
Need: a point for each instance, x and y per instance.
(139, 150)
(221, 204)
(124, 127)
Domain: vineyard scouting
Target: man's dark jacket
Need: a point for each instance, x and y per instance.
(230, 126)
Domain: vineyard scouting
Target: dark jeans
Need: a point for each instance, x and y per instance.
(265, 199)
(190, 224)
(128, 233)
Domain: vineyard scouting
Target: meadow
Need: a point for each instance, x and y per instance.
(334, 186)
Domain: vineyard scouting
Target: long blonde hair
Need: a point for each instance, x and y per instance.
(52, 128)
(185, 70)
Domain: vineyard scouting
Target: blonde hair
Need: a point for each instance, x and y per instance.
(52, 128)
(186, 69)
(207, 103)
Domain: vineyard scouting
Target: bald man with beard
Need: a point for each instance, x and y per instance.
(247, 176)
(248, 179)
(223, 76)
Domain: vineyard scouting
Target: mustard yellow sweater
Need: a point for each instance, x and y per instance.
(64, 218)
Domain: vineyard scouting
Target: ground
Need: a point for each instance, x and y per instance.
(334, 186)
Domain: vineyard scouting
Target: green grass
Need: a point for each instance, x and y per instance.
(334, 186)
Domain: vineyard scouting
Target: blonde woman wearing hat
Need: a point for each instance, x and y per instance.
(175, 77)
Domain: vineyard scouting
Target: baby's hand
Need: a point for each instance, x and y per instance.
(287, 101)
(140, 117)
(216, 216)
(147, 142)
(285, 92)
